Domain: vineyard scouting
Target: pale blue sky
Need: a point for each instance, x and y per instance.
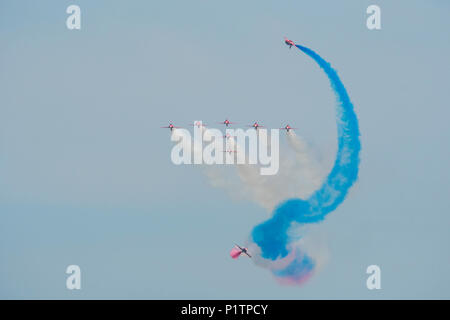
(85, 171)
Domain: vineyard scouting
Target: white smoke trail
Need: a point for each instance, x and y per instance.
(299, 175)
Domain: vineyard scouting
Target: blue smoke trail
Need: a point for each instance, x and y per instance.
(271, 236)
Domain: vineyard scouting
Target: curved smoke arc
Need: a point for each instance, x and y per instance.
(272, 236)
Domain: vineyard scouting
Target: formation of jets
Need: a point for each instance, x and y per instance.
(255, 125)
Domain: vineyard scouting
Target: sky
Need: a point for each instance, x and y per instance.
(85, 170)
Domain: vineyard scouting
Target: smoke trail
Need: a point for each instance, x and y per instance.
(312, 172)
(297, 177)
(271, 237)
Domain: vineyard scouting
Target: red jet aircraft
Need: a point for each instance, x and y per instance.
(171, 127)
(288, 42)
(243, 250)
(287, 128)
(198, 124)
(256, 126)
(226, 122)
